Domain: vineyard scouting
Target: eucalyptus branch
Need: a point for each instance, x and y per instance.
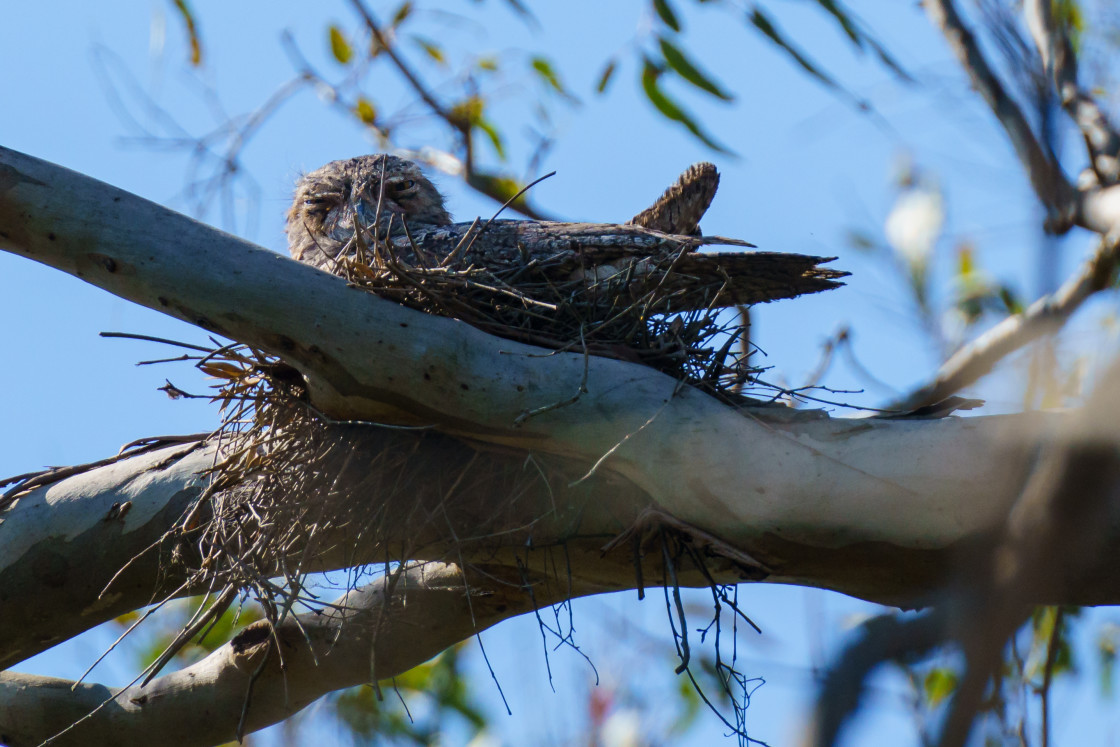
(1044, 316)
(1060, 60)
(428, 606)
(1043, 169)
(460, 124)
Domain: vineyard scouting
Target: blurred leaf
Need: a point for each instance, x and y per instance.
(521, 10)
(192, 31)
(431, 49)
(670, 109)
(859, 38)
(1108, 645)
(938, 684)
(1043, 620)
(845, 22)
(340, 48)
(762, 22)
(545, 71)
(687, 695)
(438, 682)
(366, 111)
(497, 186)
(965, 264)
(469, 113)
(127, 618)
(1068, 15)
(489, 64)
(666, 14)
(681, 65)
(607, 75)
(402, 13)
(1010, 301)
(862, 241)
(493, 135)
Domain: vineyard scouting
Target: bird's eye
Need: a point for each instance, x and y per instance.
(401, 188)
(318, 203)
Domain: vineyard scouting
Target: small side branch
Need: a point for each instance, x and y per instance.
(1045, 316)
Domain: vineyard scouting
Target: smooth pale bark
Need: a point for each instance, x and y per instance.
(62, 544)
(876, 508)
(821, 482)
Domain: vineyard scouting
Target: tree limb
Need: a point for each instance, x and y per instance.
(1045, 316)
(1060, 61)
(1042, 167)
(427, 611)
(369, 359)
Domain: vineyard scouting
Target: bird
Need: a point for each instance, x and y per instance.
(328, 199)
(615, 262)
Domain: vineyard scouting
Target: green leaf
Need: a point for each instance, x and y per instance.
(1010, 301)
(670, 109)
(666, 14)
(495, 137)
(938, 684)
(431, 49)
(607, 74)
(497, 186)
(468, 111)
(403, 12)
(366, 111)
(192, 31)
(845, 22)
(682, 66)
(340, 48)
(763, 23)
(543, 68)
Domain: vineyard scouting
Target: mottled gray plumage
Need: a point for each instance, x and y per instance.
(321, 219)
(327, 200)
(681, 207)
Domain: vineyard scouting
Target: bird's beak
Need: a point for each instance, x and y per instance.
(367, 210)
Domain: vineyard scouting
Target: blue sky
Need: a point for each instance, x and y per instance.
(810, 168)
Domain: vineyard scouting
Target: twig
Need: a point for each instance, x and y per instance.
(1044, 316)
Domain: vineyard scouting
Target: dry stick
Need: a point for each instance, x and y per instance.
(218, 608)
(1043, 170)
(1044, 316)
(453, 255)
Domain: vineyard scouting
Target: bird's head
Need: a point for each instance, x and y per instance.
(327, 201)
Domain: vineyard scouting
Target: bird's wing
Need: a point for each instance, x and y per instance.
(557, 250)
(680, 208)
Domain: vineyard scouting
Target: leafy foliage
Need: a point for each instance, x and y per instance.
(414, 709)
